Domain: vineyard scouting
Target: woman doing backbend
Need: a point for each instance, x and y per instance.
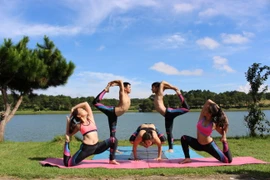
(147, 135)
(82, 120)
(211, 118)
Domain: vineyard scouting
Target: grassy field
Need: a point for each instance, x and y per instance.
(21, 160)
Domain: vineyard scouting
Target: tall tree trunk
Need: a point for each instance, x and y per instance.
(8, 115)
(2, 129)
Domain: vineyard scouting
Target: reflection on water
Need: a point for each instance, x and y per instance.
(45, 127)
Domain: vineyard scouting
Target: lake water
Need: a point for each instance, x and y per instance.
(36, 128)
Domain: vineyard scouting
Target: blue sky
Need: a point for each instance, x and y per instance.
(192, 44)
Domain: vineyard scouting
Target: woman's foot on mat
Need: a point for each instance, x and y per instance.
(187, 160)
(170, 151)
(119, 152)
(114, 162)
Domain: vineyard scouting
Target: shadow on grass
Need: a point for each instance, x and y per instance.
(38, 158)
(249, 174)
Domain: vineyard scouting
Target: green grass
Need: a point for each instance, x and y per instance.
(21, 160)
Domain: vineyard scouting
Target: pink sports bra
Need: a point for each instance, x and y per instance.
(88, 128)
(205, 130)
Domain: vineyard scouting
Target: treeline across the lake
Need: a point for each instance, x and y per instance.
(195, 99)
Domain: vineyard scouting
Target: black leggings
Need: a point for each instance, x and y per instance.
(169, 118)
(88, 150)
(211, 148)
(108, 110)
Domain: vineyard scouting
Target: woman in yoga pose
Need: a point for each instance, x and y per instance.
(211, 118)
(82, 120)
(147, 135)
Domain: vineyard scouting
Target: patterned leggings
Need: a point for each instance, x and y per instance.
(169, 118)
(109, 111)
(212, 148)
(88, 150)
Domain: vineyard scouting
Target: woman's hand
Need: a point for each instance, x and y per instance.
(136, 159)
(67, 130)
(223, 138)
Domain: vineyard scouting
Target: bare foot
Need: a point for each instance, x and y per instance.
(187, 160)
(170, 150)
(107, 88)
(114, 162)
(117, 151)
(67, 138)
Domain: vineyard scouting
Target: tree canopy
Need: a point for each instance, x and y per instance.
(23, 70)
(255, 120)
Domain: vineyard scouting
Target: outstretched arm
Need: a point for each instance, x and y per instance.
(165, 85)
(116, 83)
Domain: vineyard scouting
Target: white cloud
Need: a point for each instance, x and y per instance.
(208, 43)
(183, 8)
(88, 83)
(245, 88)
(173, 41)
(37, 30)
(221, 63)
(208, 13)
(170, 70)
(86, 17)
(236, 38)
(248, 34)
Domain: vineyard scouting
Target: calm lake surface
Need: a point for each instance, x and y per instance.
(38, 128)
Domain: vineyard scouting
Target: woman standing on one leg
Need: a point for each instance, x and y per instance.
(211, 118)
(83, 120)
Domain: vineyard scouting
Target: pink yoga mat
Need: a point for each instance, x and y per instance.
(166, 163)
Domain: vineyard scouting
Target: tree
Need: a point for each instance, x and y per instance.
(23, 70)
(255, 120)
(146, 105)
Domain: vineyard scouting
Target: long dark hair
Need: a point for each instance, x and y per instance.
(74, 121)
(147, 135)
(218, 116)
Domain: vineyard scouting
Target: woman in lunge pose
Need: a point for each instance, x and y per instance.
(211, 118)
(82, 120)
